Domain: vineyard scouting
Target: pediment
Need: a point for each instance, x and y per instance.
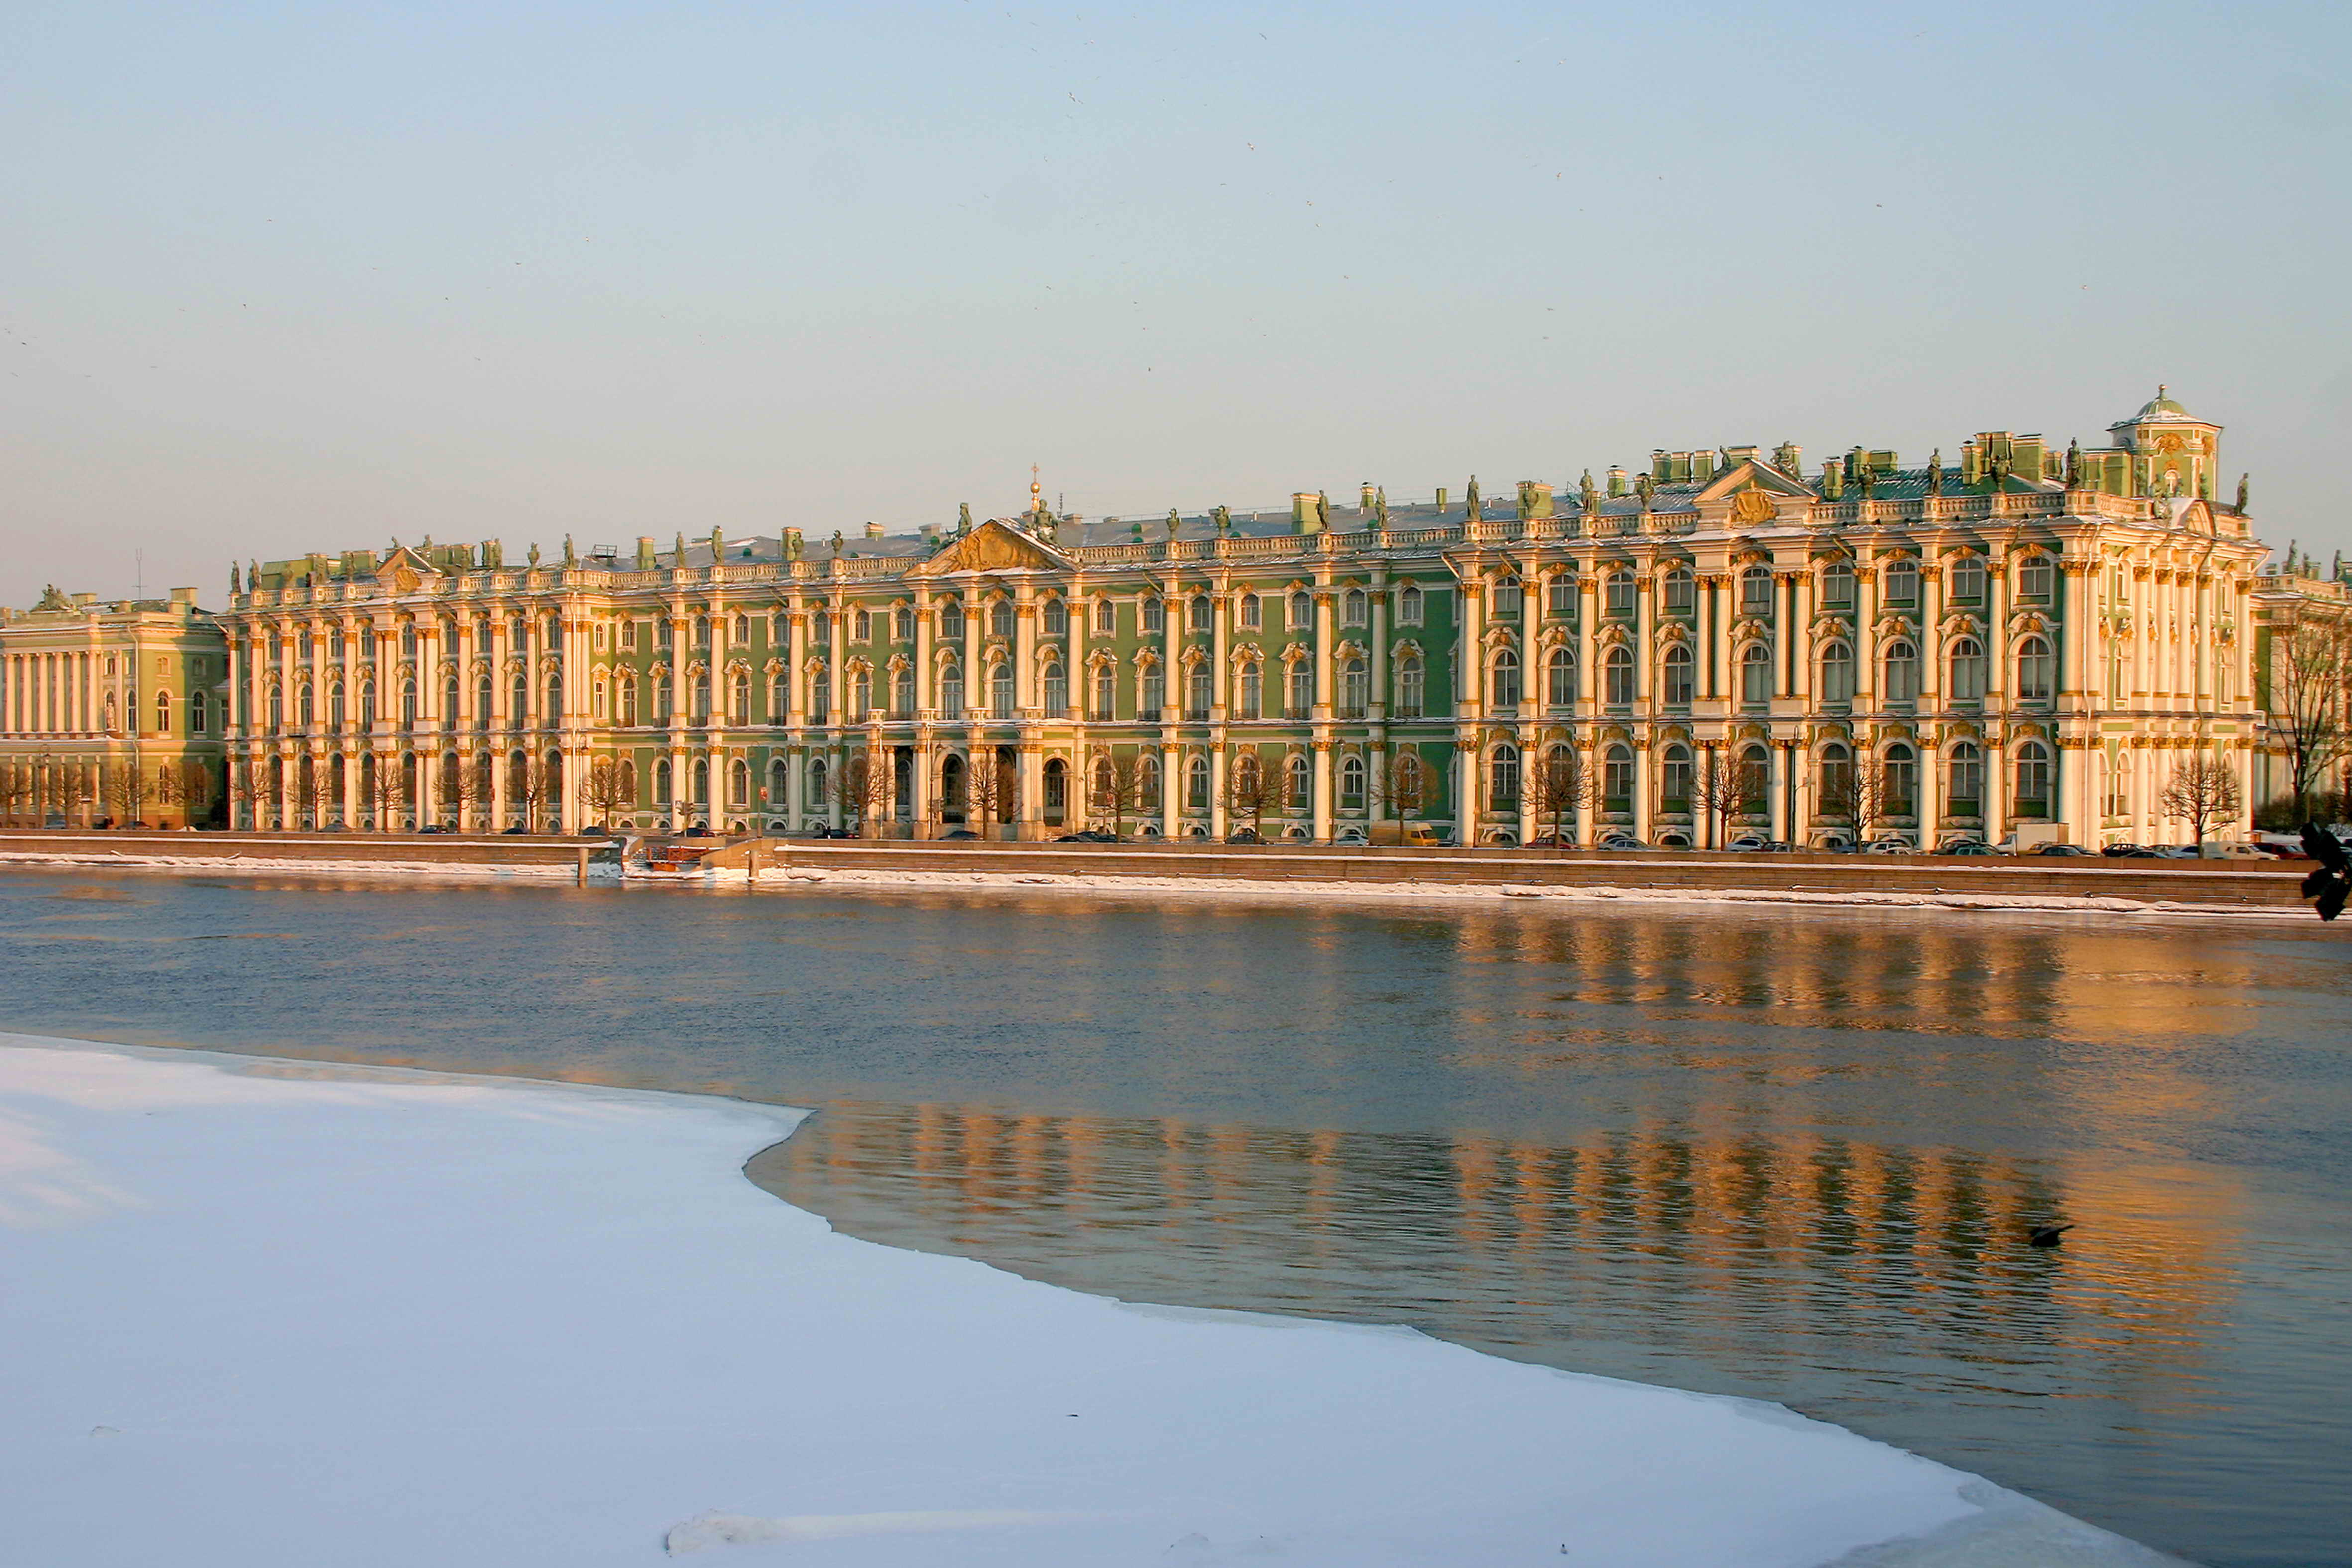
(406, 569)
(994, 546)
(1774, 485)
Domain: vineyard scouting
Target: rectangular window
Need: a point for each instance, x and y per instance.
(1106, 617)
(1302, 690)
(1155, 617)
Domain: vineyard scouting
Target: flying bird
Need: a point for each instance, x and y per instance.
(2048, 1235)
(2331, 880)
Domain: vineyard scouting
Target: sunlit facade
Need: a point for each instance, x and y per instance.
(2029, 637)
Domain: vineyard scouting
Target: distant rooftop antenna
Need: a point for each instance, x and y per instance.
(139, 577)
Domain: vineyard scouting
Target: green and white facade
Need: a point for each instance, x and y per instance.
(2025, 637)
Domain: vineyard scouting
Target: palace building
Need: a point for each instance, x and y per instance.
(2028, 637)
(111, 711)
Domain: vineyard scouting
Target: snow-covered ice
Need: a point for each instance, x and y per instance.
(266, 1313)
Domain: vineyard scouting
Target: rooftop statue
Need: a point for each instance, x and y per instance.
(1787, 459)
(1935, 472)
(233, 586)
(1473, 493)
(571, 556)
(532, 556)
(52, 600)
(679, 560)
(1588, 493)
(1224, 518)
(1645, 488)
(1381, 506)
(963, 518)
(2242, 479)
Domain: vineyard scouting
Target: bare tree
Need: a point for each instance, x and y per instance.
(605, 791)
(1721, 787)
(125, 785)
(2311, 678)
(864, 787)
(1117, 786)
(1404, 787)
(311, 789)
(1251, 788)
(15, 790)
(1559, 787)
(2203, 790)
(384, 790)
(536, 783)
(249, 788)
(466, 790)
(992, 789)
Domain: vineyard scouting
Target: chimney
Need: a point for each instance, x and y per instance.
(1367, 502)
(873, 530)
(645, 552)
(1616, 479)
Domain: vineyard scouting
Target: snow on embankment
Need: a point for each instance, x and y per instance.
(267, 1312)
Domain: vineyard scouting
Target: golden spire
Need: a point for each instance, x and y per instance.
(1036, 491)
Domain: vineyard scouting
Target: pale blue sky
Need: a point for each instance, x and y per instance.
(281, 278)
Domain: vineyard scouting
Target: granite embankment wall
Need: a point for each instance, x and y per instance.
(2244, 883)
(484, 852)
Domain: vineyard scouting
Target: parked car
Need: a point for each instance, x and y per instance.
(2173, 852)
(1890, 847)
(954, 833)
(517, 827)
(2122, 851)
(437, 828)
(697, 831)
(2062, 852)
(1552, 841)
(1244, 836)
(1967, 847)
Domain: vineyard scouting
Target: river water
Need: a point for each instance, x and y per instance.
(1782, 1153)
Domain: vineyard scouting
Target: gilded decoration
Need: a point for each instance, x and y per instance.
(1753, 506)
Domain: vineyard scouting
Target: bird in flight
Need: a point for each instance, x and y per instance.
(2048, 1235)
(2331, 880)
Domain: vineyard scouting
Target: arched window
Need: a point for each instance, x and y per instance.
(1964, 791)
(1253, 691)
(1559, 596)
(627, 775)
(629, 702)
(1968, 578)
(1106, 694)
(1837, 585)
(1756, 592)
(277, 710)
(1755, 778)
(1682, 591)
(1902, 582)
(162, 713)
(1151, 691)
(1301, 679)
(819, 784)
(2033, 797)
(1899, 770)
(1355, 689)
(1407, 774)
(738, 783)
(1756, 674)
(701, 782)
(1837, 672)
(1411, 686)
(367, 705)
(1197, 692)
(1057, 618)
(662, 781)
(1504, 679)
(1057, 691)
(1199, 613)
(902, 691)
(1617, 676)
(779, 783)
(951, 620)
(449, 702)
(1106, 785)
(1106, 616)
(1968, 664)
(1504, 779)
(1302, 612)
(1058, 788)
(951, 691)
(1617, 592)
(1836, 778)
(1147, 782)
(1299, 775)
(1000, 619)
(1352, 782)
(521, 712)
(739, 698)
(861, 695)
(2033, 670)
(820, 696)
(1000, 689)
(1559, 677)
(553, 712)
(1675, 778)
(199, 721)
(1680, 675)
(1250, 612)
(702, 697)
(302, 707)
(2035, 578)
(1902, 672)
(1196, 784)
(902, 624)
(1408, 606)
(1617, 778)
(779, 698)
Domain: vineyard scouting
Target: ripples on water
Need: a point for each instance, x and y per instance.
(1782, 1153)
